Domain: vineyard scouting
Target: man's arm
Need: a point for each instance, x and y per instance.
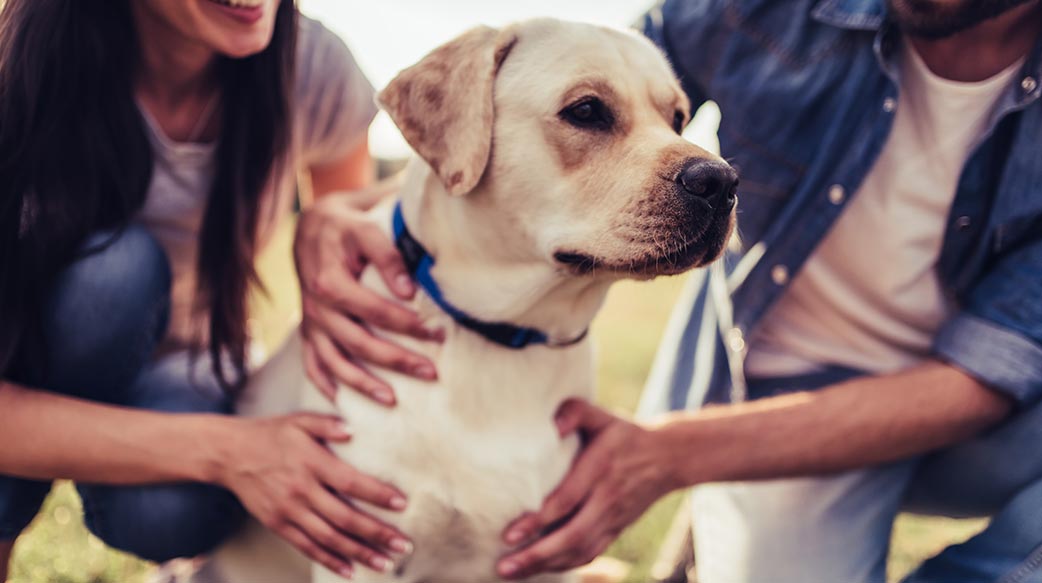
(862, 422)
(625, 467)
(988, 361)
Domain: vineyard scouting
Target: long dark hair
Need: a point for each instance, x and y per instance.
(75, 159)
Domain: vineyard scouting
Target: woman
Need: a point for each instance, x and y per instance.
(148, 149)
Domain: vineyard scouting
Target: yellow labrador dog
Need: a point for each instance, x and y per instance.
(550, 166)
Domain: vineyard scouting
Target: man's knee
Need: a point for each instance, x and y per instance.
(163, 522)
(106, 312)
(979, 476)
(814, 529)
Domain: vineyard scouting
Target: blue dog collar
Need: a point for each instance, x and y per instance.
(419, 263)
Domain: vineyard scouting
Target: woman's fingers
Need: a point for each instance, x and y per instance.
(369, 530)
(345, 480)
(314, 551)
(382, 253)
(318, 373)
(339, 544)
(336, 288)
(349, 373)
(362, 344)
(322, 427)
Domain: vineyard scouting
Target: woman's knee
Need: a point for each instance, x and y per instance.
(20, 500)
(106, 312)
(162, 522)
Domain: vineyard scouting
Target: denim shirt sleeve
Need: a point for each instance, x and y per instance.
(690, 33)
(997, 336)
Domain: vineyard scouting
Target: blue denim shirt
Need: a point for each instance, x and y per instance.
(807, 90)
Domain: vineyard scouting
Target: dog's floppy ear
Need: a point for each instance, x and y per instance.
(443, 105)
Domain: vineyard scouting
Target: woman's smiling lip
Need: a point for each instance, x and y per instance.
(243, 14)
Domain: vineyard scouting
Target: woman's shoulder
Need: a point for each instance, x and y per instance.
(322, 54)
(334, 101)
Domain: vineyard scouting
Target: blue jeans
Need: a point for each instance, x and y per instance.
(837, 527)
(101, 324)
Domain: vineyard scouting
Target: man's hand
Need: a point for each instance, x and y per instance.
(619, 474)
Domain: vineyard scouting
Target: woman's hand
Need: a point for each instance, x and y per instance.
(334, 243)
(287, 479)
(621, 471)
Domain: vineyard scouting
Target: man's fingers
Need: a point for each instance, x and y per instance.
(562, 501)
(350, 373)
(363, 345)
(346, 518)
(338, 544)
(565, 548)
(576, 414)
(345, 480)
(315, 552)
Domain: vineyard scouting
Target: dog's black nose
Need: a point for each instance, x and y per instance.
(713, 180)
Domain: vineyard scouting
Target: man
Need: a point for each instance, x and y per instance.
(879, 337)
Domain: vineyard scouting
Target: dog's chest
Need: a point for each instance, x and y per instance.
(472, 451)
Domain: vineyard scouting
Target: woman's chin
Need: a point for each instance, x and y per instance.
(240, 46)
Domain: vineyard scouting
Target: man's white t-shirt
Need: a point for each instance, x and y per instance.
(869, 297)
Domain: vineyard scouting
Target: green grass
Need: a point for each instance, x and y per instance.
(58, 549)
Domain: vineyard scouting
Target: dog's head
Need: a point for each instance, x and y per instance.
(566, 137)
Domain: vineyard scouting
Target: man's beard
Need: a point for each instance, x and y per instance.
(938, 19)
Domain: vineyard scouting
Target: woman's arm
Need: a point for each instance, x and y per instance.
(626, 467)
(334, 243)
(278, 467)
(62, 437)
(351, 174)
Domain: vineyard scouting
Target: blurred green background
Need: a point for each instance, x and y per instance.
(58, 549)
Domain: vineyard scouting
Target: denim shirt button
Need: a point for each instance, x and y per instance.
(962, 223)
(889, 104)
(736, 339)
(780, 274)
(837, 194)
(1028, 84)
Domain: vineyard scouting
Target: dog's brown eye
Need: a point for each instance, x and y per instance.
(678, 121)
(588, 113)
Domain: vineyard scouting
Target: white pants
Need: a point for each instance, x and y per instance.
(829, 530)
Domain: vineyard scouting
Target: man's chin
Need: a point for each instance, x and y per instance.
(930, 19)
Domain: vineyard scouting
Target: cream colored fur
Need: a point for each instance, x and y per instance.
(493, 205)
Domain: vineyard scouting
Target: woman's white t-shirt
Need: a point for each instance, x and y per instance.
(332, 107)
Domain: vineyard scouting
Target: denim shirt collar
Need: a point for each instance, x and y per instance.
(852, 14)
(870, 15)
